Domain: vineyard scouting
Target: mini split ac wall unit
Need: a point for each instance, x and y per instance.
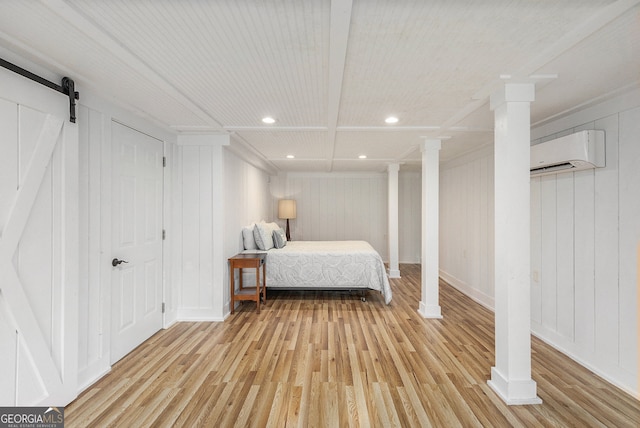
(575, 152)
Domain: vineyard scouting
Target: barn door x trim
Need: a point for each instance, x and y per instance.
(53, 379)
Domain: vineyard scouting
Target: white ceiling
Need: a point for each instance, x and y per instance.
(330, 71)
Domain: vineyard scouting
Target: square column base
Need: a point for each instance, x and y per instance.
(514, 392)
(394, 273)
(432, 311)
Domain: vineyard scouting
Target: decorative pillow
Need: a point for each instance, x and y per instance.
(248, 240)
(263, 234)
(279, 238)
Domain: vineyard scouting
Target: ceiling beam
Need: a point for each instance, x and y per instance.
(338, 41)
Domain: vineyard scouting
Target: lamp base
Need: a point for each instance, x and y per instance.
(287, 233)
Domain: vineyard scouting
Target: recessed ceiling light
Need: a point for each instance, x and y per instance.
(290, 156)
(391, 119)
(268, 120)
(362, 157)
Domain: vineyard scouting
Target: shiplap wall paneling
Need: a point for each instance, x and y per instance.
(474, 216)
(548, 249)
(94, 294)
(565, 240)
(204, 223)
(237, 209)
(338, 207)
(466, 213)
(584, 242)
(456, 233)
(584, 256)
(601, 207)
(461, 218)
(629, 240)
(247, 199)
(446, 246)
(195, 293)
(606, 247)
(172, 251)
(202, 271)
(409, 215)
(450, 236)
(487, 225)
(448, 241)
(536, 252)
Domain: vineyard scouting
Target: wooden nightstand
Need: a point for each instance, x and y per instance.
(242, 261)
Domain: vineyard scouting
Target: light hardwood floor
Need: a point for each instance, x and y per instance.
(328, 359)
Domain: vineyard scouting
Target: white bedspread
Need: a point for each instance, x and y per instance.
(327, 264)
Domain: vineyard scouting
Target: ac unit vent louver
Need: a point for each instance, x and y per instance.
(582, 150)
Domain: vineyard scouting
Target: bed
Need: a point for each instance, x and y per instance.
(318, 265)
(327, 265)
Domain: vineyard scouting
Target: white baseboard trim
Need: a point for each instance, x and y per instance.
(430, 311)
(475, 295)
(92, 374)
(610, 372)
(200, 315)
(394, 273)
(513, 392)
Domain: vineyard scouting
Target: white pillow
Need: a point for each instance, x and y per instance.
(263, 234)
(279, 238)
(248, 240)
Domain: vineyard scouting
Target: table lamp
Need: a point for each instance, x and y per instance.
(287, 210)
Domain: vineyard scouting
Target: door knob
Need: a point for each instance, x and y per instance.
(116, 262)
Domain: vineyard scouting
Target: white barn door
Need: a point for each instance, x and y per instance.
(137, 239)
(38, 245)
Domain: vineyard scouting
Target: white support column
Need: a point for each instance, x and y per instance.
(394, 267)
(429, 305)
(511, 376)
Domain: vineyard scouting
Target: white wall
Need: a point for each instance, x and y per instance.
(95, 279)
(246, 200)
(409, 216)
(584, 244)
(348, 206)
(466, 224)
(217, 194)
(200, 188)
(338, 206)
(585, 236)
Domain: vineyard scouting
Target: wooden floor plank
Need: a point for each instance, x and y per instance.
(329, 359)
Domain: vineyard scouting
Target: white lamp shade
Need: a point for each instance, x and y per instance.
(286, 208)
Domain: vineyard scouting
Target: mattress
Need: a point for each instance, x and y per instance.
(327, 265)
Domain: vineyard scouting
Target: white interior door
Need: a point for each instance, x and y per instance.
(137, 239)
(38, 245)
